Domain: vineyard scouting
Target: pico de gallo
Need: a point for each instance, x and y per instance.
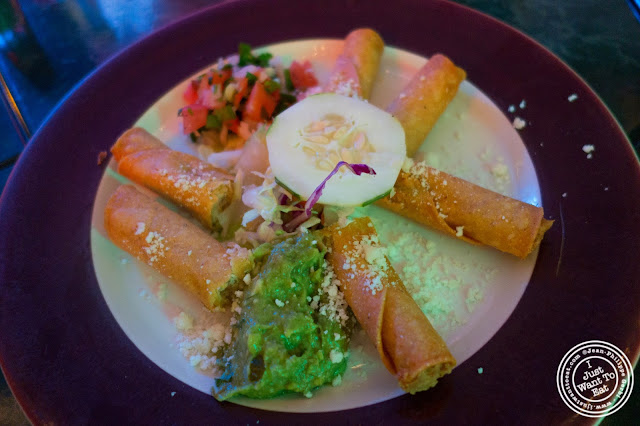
(226, 105)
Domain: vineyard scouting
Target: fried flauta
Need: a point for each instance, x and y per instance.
(356, 68)
(467, 211)
(175, 247)
(202, 189)
(410, 348)
(424, 99)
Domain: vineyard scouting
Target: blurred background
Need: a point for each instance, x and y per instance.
(49, 46)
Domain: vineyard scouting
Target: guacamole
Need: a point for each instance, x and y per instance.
(292, 334)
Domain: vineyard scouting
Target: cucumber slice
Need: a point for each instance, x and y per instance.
(307, 140)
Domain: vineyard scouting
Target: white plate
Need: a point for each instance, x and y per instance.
(472, 290)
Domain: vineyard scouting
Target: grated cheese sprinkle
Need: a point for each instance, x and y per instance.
(375, 267)
(156, 246)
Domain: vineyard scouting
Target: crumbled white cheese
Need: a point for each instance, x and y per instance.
(183, 322)
(375, 268)
(333, 306)
(572, 97)
(501, 172)
(140, 228)
(336, 356)
(440, 284)
(156, 246)
(519, 123)
(375, 255)
(201, 344)
(407, 165)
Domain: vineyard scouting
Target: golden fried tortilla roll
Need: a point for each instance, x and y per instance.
(425, 98)
(467, 211)
(357, 66)
(407, 343)
(175, 247)
(196, 185)
(135, 140)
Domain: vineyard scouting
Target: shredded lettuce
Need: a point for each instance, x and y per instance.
(264, 201)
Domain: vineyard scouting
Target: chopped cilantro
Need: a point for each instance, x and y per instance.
(225, 113)
(244, 51)
(287, 80)
(219, 116)
(264, 58)
(271, 86)
(251, 78)
(213, 122)
(286, 100)
(248, 58)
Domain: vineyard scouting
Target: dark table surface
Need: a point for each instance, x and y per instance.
(48, 46)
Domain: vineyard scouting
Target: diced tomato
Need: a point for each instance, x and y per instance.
(219, 77)
(190, 95)
(203, 85)
(210, 95)
(302, 75)
(242, 87)
(258, 100)
(193, 116)
(237, 98)
(233, 125)
(276, 96)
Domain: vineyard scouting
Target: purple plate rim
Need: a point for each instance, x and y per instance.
(59, 334)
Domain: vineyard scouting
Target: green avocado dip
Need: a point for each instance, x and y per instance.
(292, 334)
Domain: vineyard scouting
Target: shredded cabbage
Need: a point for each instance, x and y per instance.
(358, 169)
